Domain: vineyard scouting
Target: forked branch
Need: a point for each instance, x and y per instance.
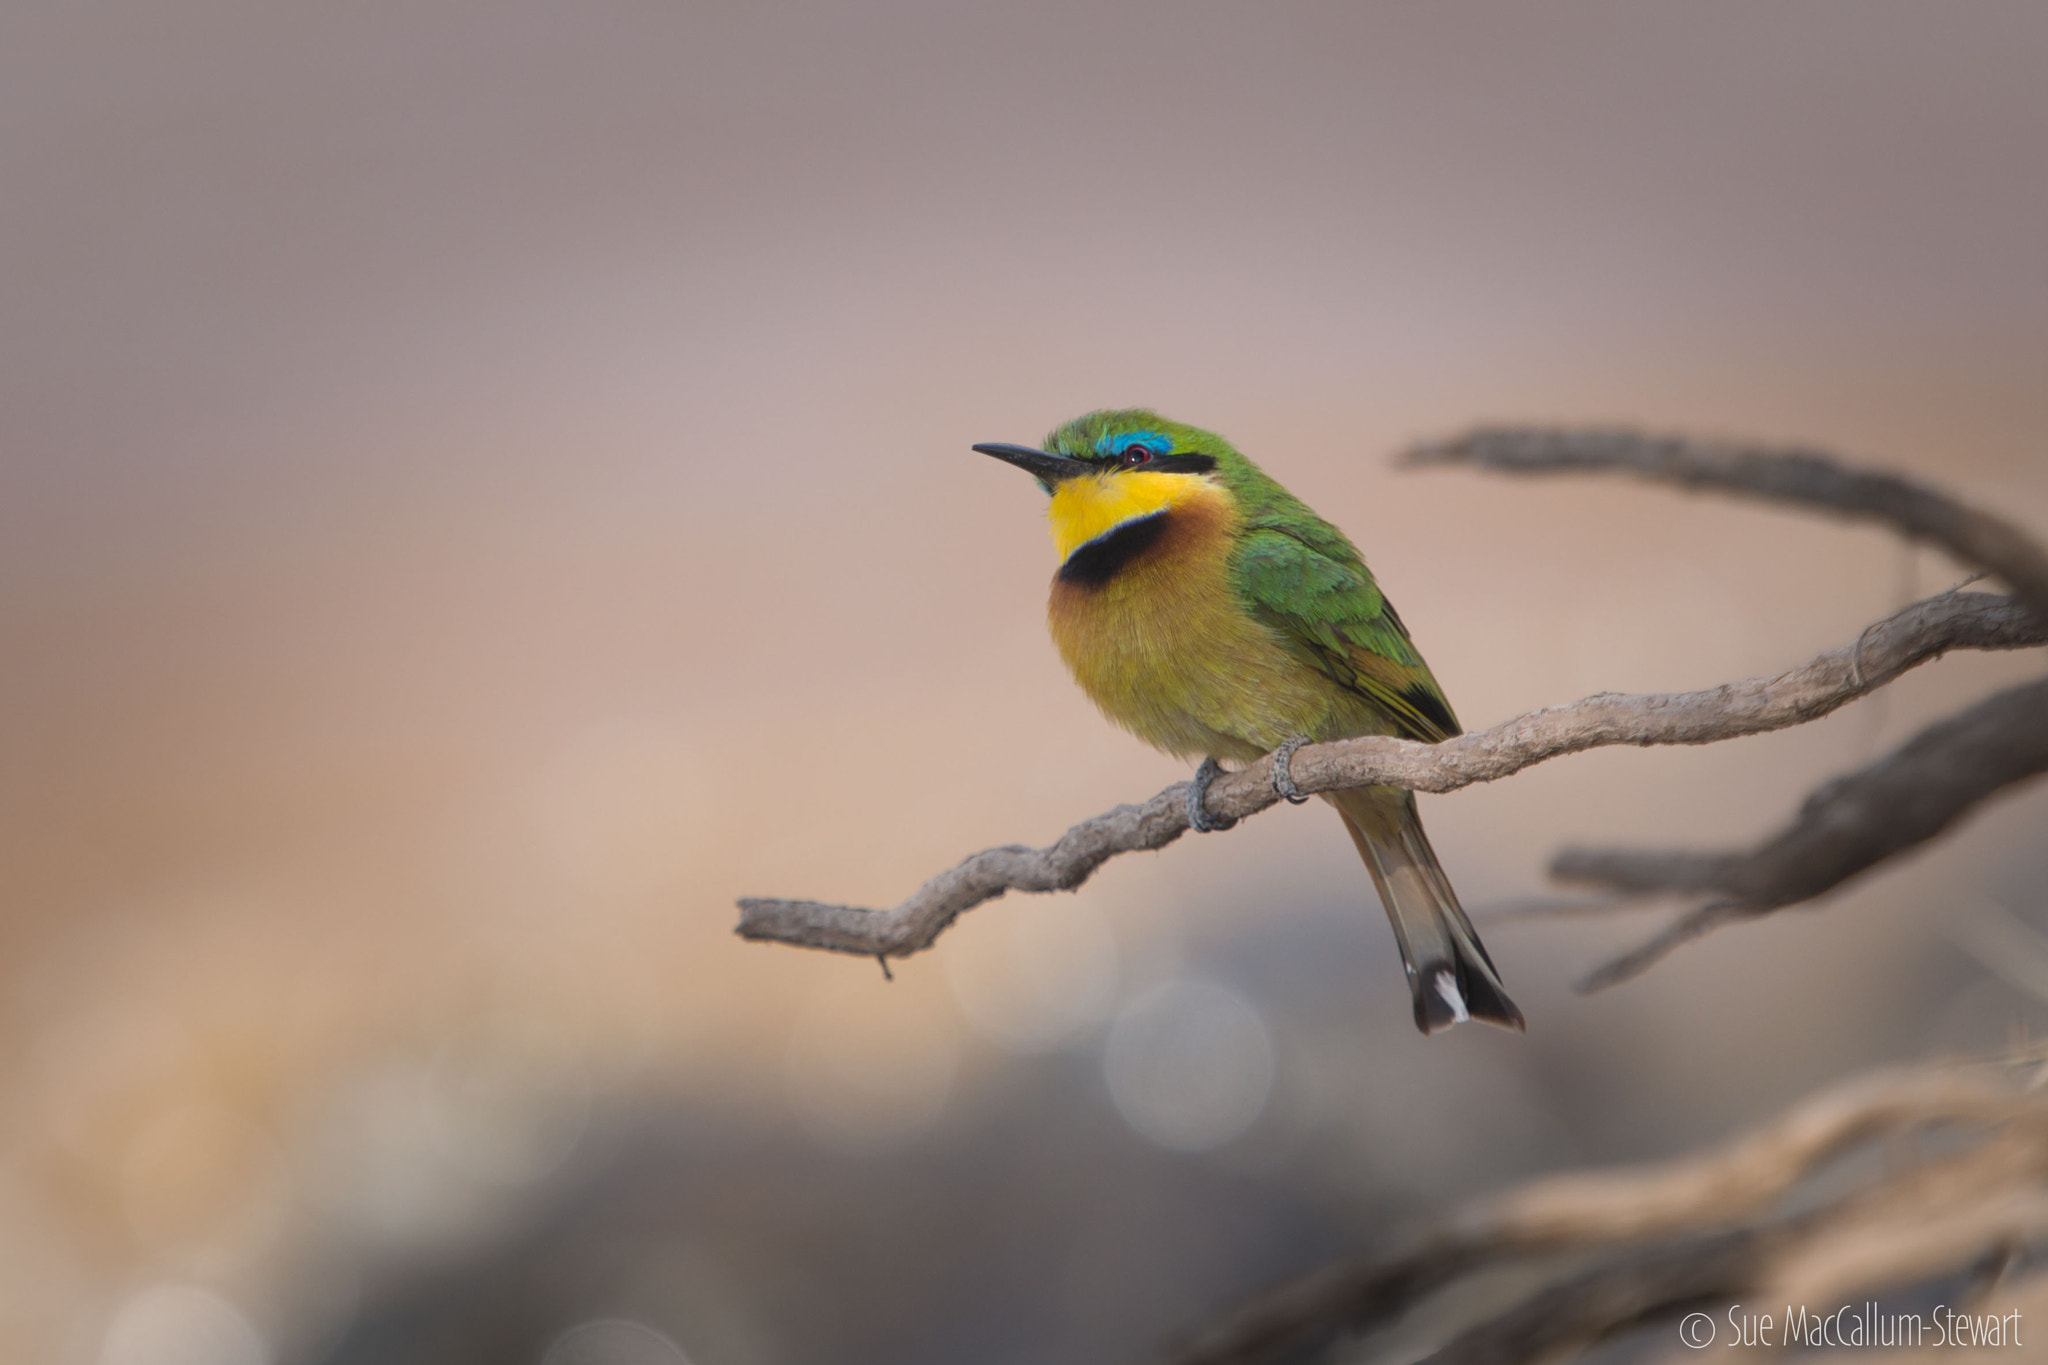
(1856, 821)
(1845, 827)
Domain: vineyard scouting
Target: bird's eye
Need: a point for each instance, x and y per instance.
(1137, 455)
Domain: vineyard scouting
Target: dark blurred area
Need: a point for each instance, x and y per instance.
(485, 486)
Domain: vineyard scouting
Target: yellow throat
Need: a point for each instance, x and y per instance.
(1087, 508)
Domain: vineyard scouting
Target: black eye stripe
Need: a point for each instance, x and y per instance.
(1178, 462)
(1181, 462)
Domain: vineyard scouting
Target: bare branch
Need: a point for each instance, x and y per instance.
(1807, 478)
(1881, 653)
(1853, 822)
(1844, 828)
(1715, 1210)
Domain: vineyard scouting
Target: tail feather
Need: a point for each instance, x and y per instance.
(1449, 974)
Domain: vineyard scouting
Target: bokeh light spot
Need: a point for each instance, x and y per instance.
(613, 1341)
(175, 1324)
(508, 1101)
(1189, 1065)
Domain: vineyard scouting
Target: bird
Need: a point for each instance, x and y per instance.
(1212, 614)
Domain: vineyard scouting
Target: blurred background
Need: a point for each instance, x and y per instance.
(484, 486)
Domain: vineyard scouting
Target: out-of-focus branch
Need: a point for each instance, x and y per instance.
(1807, 478)
(1844, 828)
(1616, 1294)
(1939, 1218)
(1670, 1235)
(1884, 650)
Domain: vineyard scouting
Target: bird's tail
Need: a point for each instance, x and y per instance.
(1449, 973)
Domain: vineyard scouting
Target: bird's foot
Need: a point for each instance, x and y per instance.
(1283, 780)
(1198, 796)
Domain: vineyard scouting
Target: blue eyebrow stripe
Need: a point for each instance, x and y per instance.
(1118, 443)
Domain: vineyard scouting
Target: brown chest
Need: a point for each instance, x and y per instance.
(1161, 643)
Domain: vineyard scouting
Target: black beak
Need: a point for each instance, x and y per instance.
(1046, 468)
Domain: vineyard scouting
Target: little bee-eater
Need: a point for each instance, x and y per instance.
(1209, 612)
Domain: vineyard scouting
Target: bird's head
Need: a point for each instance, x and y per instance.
(1108, 469)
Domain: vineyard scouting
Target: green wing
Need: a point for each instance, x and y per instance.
(1309, 584)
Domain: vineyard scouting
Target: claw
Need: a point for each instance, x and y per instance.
(1198, 796)
(1283, 780)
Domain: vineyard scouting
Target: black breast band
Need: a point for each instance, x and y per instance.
(1103, 558)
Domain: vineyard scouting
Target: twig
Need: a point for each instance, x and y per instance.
(1881, 653)
(1707, 1203)
(1808, 478)
(1844, 828)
